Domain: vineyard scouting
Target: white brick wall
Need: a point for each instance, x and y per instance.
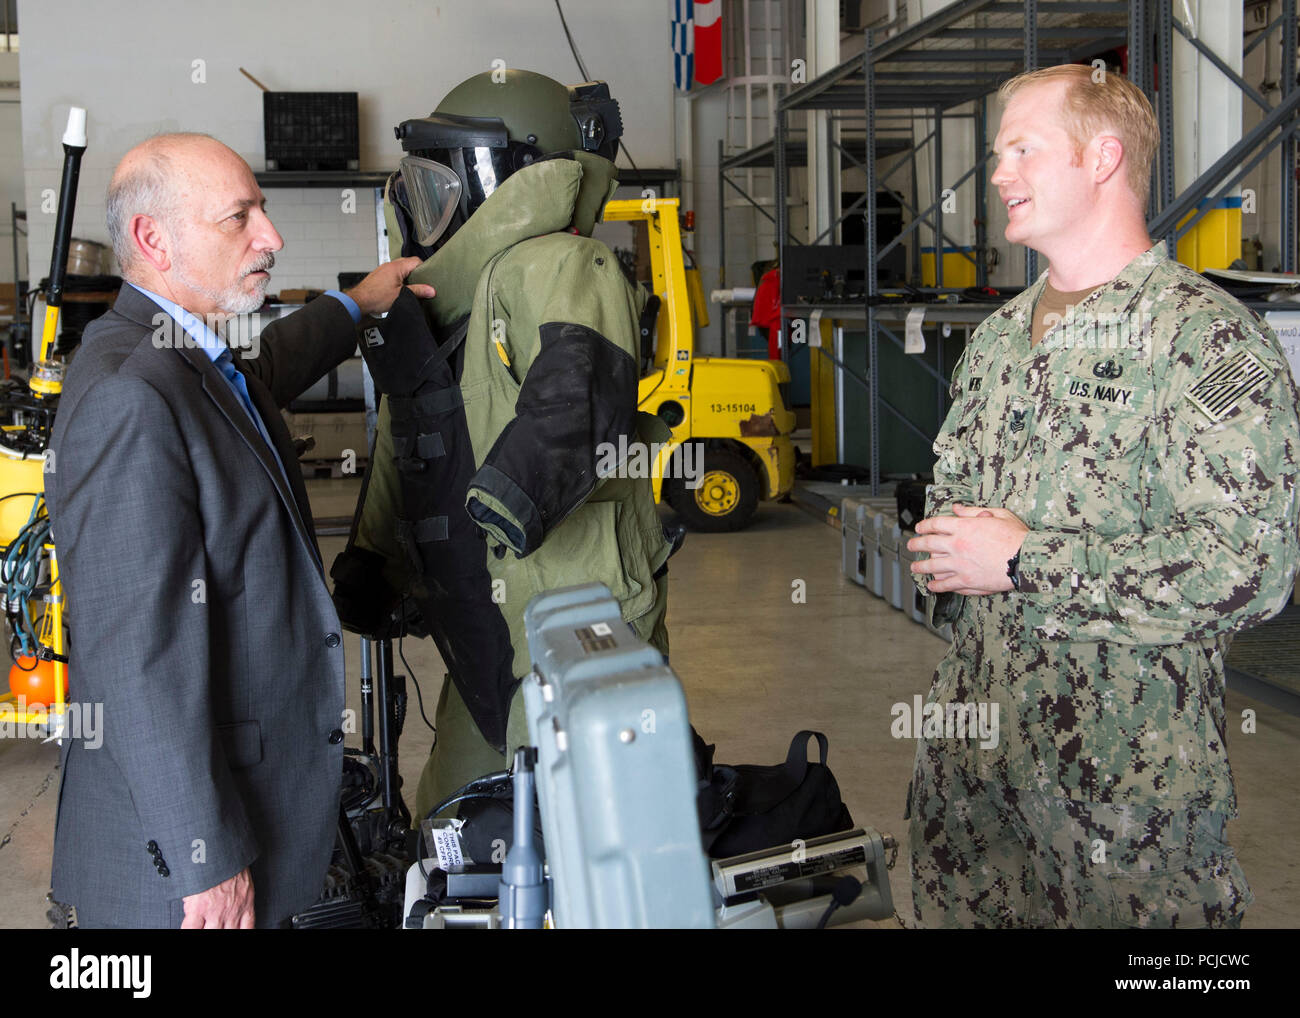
(398, 55)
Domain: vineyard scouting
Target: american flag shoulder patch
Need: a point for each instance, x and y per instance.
(1218, 391)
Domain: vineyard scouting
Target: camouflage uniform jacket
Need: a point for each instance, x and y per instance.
(1150, 444)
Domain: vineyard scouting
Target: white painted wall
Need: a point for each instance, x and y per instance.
(919, 10)
(705, 122)
(1262, 69)
(823, 44)
(11, 163)
(1207, 106)
(132, 64)
(702, 121)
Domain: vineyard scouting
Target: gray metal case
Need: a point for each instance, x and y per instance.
(853, 523)
(890, 538)
(615, 773)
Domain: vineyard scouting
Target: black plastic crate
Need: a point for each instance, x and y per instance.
(311, 130)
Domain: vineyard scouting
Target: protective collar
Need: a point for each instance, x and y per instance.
(546, 197)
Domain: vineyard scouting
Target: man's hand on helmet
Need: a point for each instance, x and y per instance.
(375, 294)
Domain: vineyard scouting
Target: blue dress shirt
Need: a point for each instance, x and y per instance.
(220, 354)
(212, 345)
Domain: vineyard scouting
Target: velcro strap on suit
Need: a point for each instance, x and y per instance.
(410, 535)
(427, 404)
(412, 453)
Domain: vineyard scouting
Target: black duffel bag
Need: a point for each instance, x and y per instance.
(748, 807)
(909, 498)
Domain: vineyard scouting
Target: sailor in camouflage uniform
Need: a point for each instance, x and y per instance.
(1111, 503)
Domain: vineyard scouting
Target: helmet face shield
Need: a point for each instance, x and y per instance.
(434, 191)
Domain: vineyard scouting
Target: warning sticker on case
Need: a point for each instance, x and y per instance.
(597, 636)
(795, 868)
(446, 842)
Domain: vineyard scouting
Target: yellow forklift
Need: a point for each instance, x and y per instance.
(730, 446)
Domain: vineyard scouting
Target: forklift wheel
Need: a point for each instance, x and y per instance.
(727, 495)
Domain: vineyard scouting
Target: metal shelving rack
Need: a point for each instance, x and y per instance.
(961, 55)
(852, 153)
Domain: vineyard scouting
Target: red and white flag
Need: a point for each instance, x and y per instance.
(708, 41)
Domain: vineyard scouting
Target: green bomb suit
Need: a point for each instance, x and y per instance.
(546, 373)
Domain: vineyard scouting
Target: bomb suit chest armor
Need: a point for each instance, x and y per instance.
(1150, 443)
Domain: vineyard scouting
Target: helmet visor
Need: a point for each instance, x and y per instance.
(434, 191)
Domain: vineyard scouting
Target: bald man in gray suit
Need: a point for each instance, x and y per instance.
(198, 610)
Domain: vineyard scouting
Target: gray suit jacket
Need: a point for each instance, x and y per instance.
(200, 618)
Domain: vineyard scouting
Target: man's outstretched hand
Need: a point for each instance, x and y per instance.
(228, 906)
(375, 294)
(969, 550)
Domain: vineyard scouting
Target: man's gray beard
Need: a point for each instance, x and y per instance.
(233, 300)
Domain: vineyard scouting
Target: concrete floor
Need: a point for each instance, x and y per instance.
(757, 667)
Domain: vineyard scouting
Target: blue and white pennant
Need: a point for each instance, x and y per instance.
(683, 43)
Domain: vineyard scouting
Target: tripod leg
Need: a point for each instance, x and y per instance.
(395, 808)
(367, 701)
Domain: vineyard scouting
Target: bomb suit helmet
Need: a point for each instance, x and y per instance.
(487, 128)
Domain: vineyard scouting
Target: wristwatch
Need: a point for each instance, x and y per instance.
(1013, 570)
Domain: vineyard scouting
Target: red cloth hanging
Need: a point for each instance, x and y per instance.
(766, 312)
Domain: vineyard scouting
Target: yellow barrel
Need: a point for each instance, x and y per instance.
(21, 475)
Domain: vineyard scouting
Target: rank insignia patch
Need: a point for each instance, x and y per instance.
(1217, 392)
